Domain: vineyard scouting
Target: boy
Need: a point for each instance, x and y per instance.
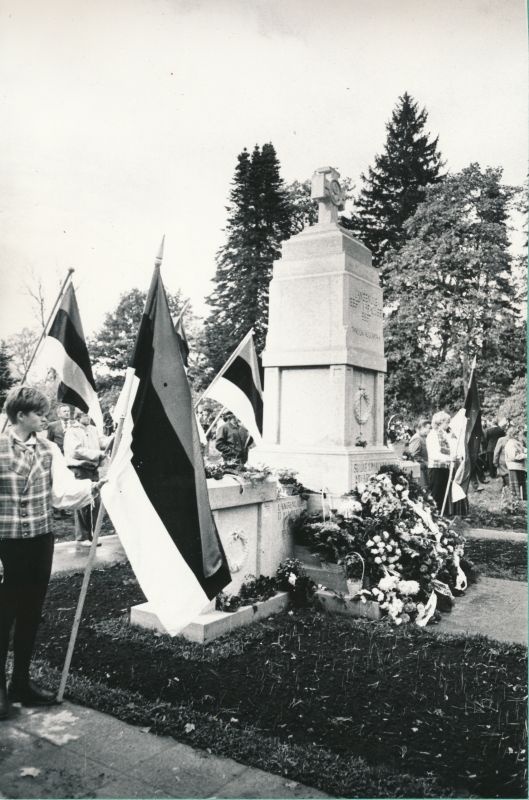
(33, 478)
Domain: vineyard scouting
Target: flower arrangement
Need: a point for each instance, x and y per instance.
(214, 469)
(288, 482)
(413, 560)
(244, 472)
(290, 577)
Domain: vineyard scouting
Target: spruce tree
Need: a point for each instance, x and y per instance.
(259, 219)
(395, 185)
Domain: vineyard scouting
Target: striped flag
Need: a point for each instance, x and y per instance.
(470, 437)
(64, 352)
(157, 495)
(238, 387)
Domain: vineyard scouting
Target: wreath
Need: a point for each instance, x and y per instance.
(235, 565)
(362, 397)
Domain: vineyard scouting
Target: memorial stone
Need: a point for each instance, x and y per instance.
(324, 356)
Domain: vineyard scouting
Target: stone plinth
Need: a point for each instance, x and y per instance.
(324, 362)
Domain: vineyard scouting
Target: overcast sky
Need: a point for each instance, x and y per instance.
(121, 120)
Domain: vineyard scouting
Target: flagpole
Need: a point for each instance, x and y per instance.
(451, 471)
(182, 312)
(214, 421)
(95, 536)
(228, 363)
(44, 331)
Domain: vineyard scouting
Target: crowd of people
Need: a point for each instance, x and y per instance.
(438, 451)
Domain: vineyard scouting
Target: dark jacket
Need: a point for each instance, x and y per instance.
(491, 436)
(232, 442)
(56, 434)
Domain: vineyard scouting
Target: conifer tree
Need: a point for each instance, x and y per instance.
(395, 185)
(259, 219)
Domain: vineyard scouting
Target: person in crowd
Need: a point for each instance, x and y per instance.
(33, 477)
(441, 455)
(418, 450)
(84, 451)
(491, 436)
(57, 429)
(515, 461)
(232, 440)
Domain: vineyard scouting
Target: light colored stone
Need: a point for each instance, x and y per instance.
(212, 624)
(347, 605)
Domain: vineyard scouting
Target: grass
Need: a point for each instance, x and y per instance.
(355, 708)
(485, 509)
(497, 558)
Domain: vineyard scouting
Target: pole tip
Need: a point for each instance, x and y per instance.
(159, 257)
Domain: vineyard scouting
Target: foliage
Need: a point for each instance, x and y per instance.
(259, 219)
(453, 296)
(410, 554)
(514, 407)
(253, 590)
(111, 347)
(288, 482)
(290, 577)
(6, 378)
(395, 185)
(20, 348)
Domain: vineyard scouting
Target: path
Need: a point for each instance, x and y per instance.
(70, 751)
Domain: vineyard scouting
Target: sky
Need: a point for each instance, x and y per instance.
(122, 121)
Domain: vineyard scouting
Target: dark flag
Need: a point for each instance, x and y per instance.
(182, 339)
(66, 356)
(157, 494)
(238, 387)
(472, 434)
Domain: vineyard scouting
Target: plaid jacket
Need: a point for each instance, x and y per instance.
(25, 488)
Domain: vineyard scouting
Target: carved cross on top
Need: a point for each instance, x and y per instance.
(327, 191)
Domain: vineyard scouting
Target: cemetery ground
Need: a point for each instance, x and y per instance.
(351, 707)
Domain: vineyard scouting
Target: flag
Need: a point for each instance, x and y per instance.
(64, 352)
(471, 437)
(156, 494)
(238, 387)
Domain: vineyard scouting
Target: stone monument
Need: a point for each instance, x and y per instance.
(324, 356)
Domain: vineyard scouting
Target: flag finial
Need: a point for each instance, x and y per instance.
(159, 257)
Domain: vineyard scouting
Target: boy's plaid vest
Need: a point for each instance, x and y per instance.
(25, 489)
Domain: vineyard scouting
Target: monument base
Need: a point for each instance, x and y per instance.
(336, 470)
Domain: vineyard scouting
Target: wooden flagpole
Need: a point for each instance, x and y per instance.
(44, 331)
(451, 471)
(95, 538)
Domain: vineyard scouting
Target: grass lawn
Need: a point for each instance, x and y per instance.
(486, 511)
(497, 558)
(355, 708)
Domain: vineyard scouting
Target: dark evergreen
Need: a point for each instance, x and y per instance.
(259, 219)
(395, 185)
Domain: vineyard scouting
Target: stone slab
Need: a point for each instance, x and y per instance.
(255, 784)
(496, 533)
(347, 605)
(493, 607)
(213, 624)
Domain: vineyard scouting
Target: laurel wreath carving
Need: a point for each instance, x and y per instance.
(362, 399)
(235, 564)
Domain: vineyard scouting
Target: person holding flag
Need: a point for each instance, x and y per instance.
(34, 478)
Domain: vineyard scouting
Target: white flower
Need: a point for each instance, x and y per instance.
(387, 583)
(376, 538)
(292, 579)
(369, 543)
(408, 587)
(385, 534)
(360, 488)
(378, 560)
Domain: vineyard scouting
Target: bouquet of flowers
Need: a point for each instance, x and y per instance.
(414, 560)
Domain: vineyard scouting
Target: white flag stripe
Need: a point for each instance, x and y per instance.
(163, 574)
(54, 355)
(233, 398)
(458, 425)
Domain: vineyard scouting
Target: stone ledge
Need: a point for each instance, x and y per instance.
(226, 492)
(348, 605)
(212, 624)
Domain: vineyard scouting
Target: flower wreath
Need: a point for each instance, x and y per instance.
(235, 565)
(362, 396)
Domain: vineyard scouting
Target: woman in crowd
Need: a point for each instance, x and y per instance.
(439, 457)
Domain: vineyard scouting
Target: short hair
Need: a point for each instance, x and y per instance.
(422, 423)
(25, 399)
(228, 415)
(439, 417)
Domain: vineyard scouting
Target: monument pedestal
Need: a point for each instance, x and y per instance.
(324, 357)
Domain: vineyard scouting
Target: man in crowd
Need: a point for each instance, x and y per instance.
(232, 440)
(418, 450)
(57, 430)
(491, 436)
(84, 451)
(33, 477)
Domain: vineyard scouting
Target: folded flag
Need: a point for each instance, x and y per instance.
(65, 354)
(156, 495)
(238, 387)
(471, 438)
